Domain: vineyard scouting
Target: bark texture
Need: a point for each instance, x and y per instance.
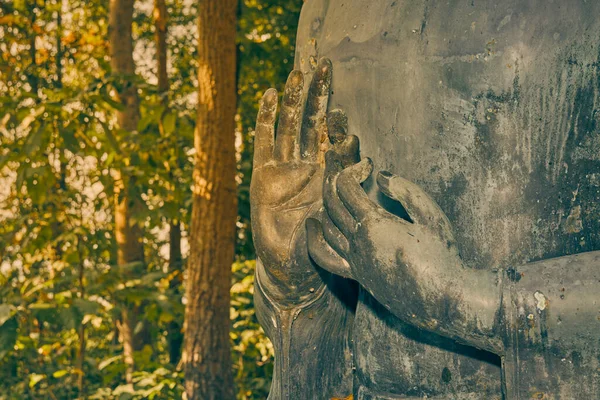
(160, 37)
(128, 235)
(207, 355)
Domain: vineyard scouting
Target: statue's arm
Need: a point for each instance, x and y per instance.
(413, 268)
(311, 340)
(550, 325)
(556, 300)
(306, 312)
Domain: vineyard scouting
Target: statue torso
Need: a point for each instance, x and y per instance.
(491, 107)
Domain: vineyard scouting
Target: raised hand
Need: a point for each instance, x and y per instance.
(287, 179)
(411, 266)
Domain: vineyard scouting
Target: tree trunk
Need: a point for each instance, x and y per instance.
(121, 49)
(59, 49)
(32, 75)
(81, 331)
(128, 235)
(160, 35)
(207, 356)
(174, 334)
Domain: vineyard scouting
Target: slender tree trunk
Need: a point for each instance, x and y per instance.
(128, 235)
(81, 330)
(207, 354)
(59, 50)
(160, 36)
(175, 336)
(57, 227)
(32, 75)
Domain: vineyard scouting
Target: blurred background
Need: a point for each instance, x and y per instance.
(63, 291)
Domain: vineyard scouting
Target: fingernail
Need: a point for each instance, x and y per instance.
(337, 124)
(324, 64)
(366, 169)
(329, 156)
(296, 78)
(270, 95)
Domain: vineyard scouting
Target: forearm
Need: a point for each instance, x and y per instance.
(463, 304)
(554, 298)
(551, 323)
(550, 298)
(311, 340)
(440, 294)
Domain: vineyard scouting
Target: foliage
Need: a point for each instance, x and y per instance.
(60, 288)
(266, 38)
(252, 351)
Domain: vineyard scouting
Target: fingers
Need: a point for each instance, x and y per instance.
(334, 236)
(313, 123)
(334, 207)
(290, 117)
(349, 151)
(265, 128)
(320, 251)
(337, 126)
(420, 207)
(347, 147)
(352, 194)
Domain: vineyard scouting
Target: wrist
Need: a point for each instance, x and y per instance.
(283, 294)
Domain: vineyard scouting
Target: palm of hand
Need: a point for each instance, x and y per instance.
(286, 194)
(287, 178)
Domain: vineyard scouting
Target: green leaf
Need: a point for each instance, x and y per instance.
(86, 307)
(107, 362)
(114, 104)
(70, 317)
(125, 392)
(4, 159)
(35, 289)
(151, 278)
(110, 137)
(6, 312)
(110, 158)
(8, 335)
(70, 141)
(34, 379)
(34, 140)
(41, 306)
(60, 373)
(169, 121)
(20, 178)
(27, 117)
(130, 268)
(144, 122)
(20, 5)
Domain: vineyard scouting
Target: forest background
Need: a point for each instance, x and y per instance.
(63, 293)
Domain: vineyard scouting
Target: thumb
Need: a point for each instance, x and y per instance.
(421, 208)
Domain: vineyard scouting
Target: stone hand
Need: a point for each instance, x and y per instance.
(412, 266)
(287, 178)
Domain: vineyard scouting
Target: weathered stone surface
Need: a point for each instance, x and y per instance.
(491, 107)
